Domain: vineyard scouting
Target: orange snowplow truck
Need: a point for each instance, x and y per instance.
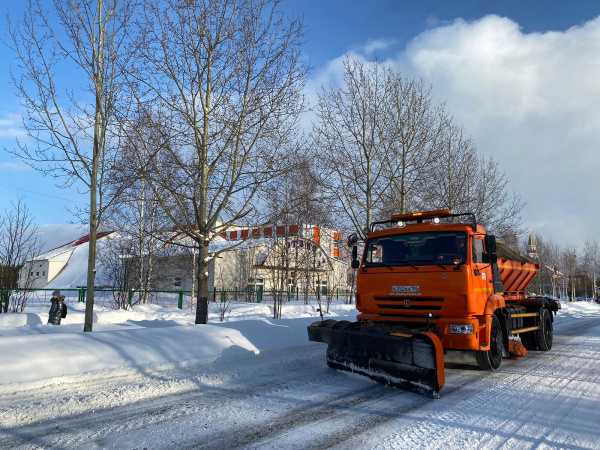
(427, 283)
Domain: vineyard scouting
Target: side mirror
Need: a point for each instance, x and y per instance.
(355, 262)
(352, 239)
(491, 256)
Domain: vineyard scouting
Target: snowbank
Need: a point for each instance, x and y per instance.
(148, 334)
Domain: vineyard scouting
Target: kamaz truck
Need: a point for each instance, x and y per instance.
(429, 283)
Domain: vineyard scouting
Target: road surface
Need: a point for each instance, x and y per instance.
(291, 399)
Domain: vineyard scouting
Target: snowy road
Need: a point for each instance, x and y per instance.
(289, 398)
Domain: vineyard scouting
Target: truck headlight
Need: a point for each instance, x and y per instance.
(461, 329)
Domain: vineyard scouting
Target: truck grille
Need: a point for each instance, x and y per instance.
(414, 304)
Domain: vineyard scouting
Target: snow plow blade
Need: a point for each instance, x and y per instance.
(400, 358)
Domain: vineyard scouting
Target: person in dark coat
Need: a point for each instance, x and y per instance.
(56, 309)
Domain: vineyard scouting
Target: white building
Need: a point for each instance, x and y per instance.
(64, 266)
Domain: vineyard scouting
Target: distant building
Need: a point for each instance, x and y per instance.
(43, 269)
(302, 258)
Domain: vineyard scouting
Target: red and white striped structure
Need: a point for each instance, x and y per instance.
(328, 240)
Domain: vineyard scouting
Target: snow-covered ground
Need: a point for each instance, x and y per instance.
(149, 378)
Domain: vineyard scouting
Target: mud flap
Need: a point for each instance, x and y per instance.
(409, 361)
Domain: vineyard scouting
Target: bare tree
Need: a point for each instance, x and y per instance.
(227, 77)
(375, 136)
(353, 140)
(544, 281)
(462, 181)
(137, 221)
(298, 200)
(119, 267)
(591, 262)
(554, 257)
(419, 129)
(569, 269)
(137, 214)
(19, 242)
(88, 42)
(496, 206)
(450, 180)
(278, 267)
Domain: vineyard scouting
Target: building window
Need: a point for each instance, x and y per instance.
(177, 283)
(322, 288)
(30, 274)
(44, 273)
(256, 284)
(37, 274)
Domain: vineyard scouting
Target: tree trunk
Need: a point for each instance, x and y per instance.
(202, 277)
(91, 274)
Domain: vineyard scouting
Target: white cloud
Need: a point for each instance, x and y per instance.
(376, 45)
(14, 166)
(10, 126)
(432, 21)
(531, 100)
(516, 74)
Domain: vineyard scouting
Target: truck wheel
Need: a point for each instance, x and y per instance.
(492, 358)
(528, 340)
(543, 335)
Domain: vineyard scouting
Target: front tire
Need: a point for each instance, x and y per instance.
(544, 334)
(492, 358)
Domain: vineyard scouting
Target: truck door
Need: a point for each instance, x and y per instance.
(482, 279)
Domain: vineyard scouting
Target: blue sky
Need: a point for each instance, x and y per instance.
(521, 76)
(338, 26)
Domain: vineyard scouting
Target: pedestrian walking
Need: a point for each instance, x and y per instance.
(57, 308)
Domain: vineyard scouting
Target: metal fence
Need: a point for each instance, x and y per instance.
(114, 298)
(102, 297)
(265, 296)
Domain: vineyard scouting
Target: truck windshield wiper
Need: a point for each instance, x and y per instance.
(405, 263)
(430, 261)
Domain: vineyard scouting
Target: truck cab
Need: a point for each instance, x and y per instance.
(428, 275)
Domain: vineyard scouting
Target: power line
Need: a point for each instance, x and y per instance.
(45, 195)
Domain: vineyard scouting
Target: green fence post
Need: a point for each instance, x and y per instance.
(81, 298)
(222, 296)
(180, 300)
(289, 295)
(259, 296)
(130, 296)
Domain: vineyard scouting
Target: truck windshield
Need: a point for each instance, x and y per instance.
(417, 249)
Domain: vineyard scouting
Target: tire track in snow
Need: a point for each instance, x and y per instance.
(498, 413)
(71, 418)
(358, 406)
